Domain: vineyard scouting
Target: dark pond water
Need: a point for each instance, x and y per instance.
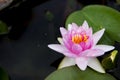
(24, 53)
(25, 56)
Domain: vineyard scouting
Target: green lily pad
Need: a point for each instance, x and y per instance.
(74, 73)
(3, 75)
(98, 17)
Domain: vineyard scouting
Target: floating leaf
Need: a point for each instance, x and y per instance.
(98, 17)
(74, 73)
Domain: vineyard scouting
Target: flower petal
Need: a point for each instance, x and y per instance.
(93, 53)
(104, 47)
(66, 62)
(95, 64)
(97, 36)
(85, 25)
(58, 48)
(76, 49)
(89, 32)
(72, 26)
(60, 40)
(61, 49)
(82, 62)
(69, 27)
(63, 31)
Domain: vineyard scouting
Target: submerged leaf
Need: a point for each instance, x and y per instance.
(3, 75)
(3, 28)
(49, 15)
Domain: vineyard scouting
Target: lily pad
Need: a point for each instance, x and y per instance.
(98, 17)
(74, 73)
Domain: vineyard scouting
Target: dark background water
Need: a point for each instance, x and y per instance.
(23, 52)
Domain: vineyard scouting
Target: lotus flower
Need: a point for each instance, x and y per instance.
(79, 45)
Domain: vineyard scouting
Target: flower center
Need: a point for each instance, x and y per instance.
(77, 38)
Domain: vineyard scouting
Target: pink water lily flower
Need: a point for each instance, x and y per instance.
(79, 45)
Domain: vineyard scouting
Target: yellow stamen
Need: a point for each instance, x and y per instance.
(79, 38)
(85, 38)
